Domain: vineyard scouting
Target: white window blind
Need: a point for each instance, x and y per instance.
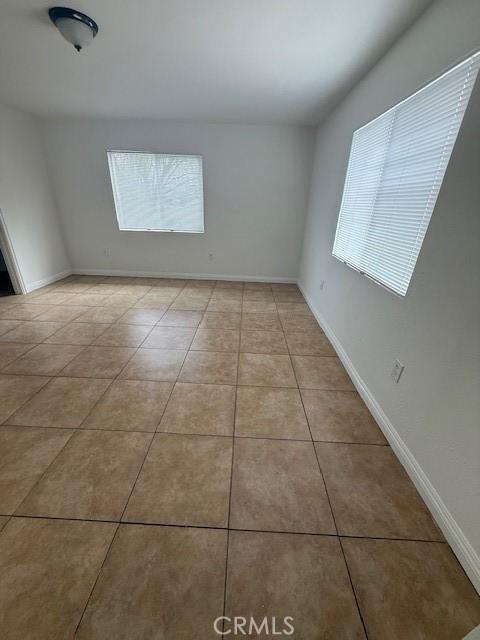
(157, 192)
(395, 171)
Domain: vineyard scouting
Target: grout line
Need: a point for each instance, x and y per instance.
(230, 492)
(219, 528)
(332, 512)
(184, 433)
(47, 468)
(96, 579)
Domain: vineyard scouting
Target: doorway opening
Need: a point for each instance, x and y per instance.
(6, 286)
(11, 279)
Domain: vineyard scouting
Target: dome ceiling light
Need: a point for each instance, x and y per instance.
(75, 27)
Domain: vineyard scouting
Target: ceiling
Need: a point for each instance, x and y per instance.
(251, 61)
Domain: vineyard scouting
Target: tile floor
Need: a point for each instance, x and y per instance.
(174, 451)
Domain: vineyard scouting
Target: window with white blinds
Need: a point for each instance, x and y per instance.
(395, 171)
(157, 192)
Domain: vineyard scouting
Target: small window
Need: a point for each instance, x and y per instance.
(395, 171)
(157, 192)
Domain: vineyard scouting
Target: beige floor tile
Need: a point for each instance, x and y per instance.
(277, 486)
(135, 289)
(155, 364)
(22, 311)
(160, 299)
(33, 332)
(121, 301)
(99, 362)
(229, 284)
(90, 299)
(261, 322)
(157, 304)
(288, 296)
(296, 322)
(7, 301)
(224, 293)
(200, 292)
(91, 478)
(48, 570)
(54, 297)
(224, 306)
(217, 320)
(196, 293)
(16, 390)
(82, 333)
(123, 335)
(255, 306)
(257, 369)
(8, 325)
(209, 367)
(173, 318)
(44, 360)
(64, 402)
(371, 495)
(10, 351)
(25, 453)
(106, 288)
(216, 340)
(177, 283)
(200, 408)
(252, 295)
(141, 316)
(185, 480)
(169, 338)
(189, 304)
(158, 582)
(62, 313)
(130, 405)
(104, 315)
(411, 590)
(340, 416)
(309, 343)
(294, 308)
(321, 373)
(279, 287)
(170, 292)
(197, 283)
(303, 577)
(75, 287)
(270, 413)
(263, 342)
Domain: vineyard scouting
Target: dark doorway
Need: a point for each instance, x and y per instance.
(6, 287)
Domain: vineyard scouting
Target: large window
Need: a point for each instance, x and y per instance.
(157, 192)
(396, 168)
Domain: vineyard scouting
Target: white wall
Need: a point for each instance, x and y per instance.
(26, 200)
(434, 330)
(256, 181)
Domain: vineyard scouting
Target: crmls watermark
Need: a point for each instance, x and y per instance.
(240, 626)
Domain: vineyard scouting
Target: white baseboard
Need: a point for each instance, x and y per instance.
(189, 276)
(460, 545)
(32, 286)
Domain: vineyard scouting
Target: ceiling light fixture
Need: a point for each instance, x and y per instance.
(75, 27)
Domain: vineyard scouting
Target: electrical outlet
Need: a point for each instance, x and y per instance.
(322, 285)
(106, 252)
(397, 370)
(210, 256)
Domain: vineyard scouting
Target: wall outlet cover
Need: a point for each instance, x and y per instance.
(397, 370)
